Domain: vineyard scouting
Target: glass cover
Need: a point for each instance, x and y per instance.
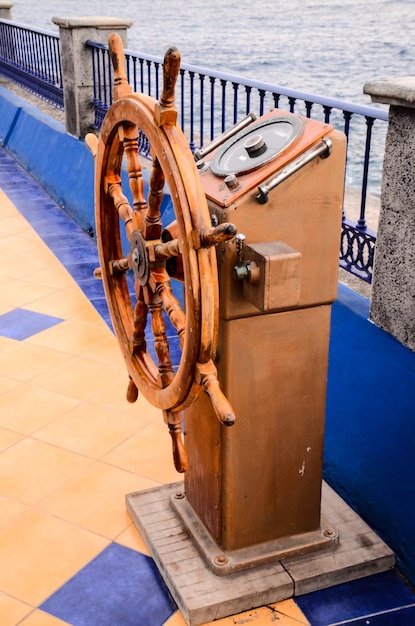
(256, 145)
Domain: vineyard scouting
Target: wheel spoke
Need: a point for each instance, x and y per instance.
(138, 341)
(173, 309)
(161, 345)
(119, 267)
(152, 222)
(114, 190)
(128, 135)
(167, 250)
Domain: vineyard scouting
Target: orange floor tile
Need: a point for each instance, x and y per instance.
(71, 447)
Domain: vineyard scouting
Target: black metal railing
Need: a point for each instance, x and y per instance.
(31, 58)
(209, 102)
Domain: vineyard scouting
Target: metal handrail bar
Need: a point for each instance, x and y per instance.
(334, 103)
(22, 26)
(306, 96)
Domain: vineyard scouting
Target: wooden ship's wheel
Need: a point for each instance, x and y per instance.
(136, 281)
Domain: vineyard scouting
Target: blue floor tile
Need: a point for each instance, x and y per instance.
(71, 245)
(101, 306)
(92, 288)
(20, 323)
(119, 587)
(83, 270)
(57, 226)
(81, 254)
(400, 617)
(368, 596)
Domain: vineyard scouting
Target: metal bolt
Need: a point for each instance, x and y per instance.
(179, 495)
(231, 181)
(240, 243)
(330, 533)
(221, 559)
(135, 256)
(202, 166)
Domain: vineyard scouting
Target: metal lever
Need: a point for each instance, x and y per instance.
(200, 154)
(323, 149)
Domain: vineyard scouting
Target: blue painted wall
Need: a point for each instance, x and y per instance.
(62, 164)
(59, 162)
(370, 426)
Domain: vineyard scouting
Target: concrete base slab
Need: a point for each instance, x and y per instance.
(203, 596)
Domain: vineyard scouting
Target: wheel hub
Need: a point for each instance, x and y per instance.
(139, 260)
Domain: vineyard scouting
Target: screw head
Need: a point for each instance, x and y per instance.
(179, 495)
(221, 559)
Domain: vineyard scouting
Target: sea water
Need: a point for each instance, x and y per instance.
(326, 47)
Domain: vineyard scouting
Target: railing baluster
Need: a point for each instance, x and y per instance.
(347, 118)
(132, 74)
(361, 224)
(276, 98)
(109, 75)
(42, 57)
(182, 110)
(235, 87)
(149, 77)
(94, 72)
(24, 49)
(248, 91)
(156, 67)
(223, 124)
(202, 109)
(212, 107)
(327, 113)
(141, 76)
(127, 67)
(261, 101)
(192, 110)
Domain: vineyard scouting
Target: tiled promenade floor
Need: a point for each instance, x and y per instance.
(71, 447)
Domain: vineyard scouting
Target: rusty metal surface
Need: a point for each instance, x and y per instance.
(262, 481)
(268, 468)
(304, 212)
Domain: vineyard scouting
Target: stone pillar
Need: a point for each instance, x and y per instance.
(76, 62)
(392, 305)
(6, 10)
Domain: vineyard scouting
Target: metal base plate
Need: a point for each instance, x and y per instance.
(202, 596)
(223, 564)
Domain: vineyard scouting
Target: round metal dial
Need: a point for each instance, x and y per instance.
(256, 145)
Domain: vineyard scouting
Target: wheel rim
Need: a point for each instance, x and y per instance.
(175, 164)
